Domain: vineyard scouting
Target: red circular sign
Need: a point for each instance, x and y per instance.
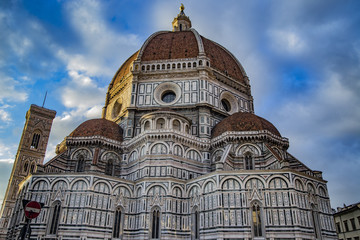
(32, 209)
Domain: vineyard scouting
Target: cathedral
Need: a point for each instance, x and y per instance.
(177, 154)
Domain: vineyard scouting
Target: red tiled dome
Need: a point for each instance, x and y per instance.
(181, 45)
(243, 121)
(222, 60)
(171, 45)
(99, 127)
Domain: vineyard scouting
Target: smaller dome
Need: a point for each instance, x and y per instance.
(99, 127)
(243, 121)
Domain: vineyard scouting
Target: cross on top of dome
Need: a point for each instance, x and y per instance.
(181, 21)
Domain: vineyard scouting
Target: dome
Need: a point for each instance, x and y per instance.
(123, 70)
(99, 127)
(168, 45)
(243, 121)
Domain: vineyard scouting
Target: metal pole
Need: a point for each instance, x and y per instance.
(24, 233)
(44, 99)
(27, 229)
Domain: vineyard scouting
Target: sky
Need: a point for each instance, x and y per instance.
(302, 58)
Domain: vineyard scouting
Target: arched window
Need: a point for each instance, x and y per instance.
(193, 155)
(155, 226)
(147, 125)
(230, 191)
(26, 166)
(248, 162)
(256, 220)
(160, 123)
(159, 148)
(195, 225)
(35, 141)
(176, 125)
(109, 169)
(80, 164)
(133, 156)
(178, 151)
(143, 151)
(32, 168)
(55, 217)
(118, 223)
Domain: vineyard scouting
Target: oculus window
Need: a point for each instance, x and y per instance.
(226, 105)
(168, 97)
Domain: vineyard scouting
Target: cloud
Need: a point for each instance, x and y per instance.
(81, 92)
(7, 152)
(27, 46)
(288, 41)
(5, 170)
(102, 48)
(5, 115)
(10, 90)
(84, 98)
(328, 104)
(100, 52)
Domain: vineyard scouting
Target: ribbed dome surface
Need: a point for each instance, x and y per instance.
(222, 60)
(171, 45)
(183, 45)
(243, 121)
(99, 127)
(124, 69)
(180, 45)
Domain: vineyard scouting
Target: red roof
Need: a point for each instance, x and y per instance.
(221, 60)
(99, 127)
(171, 45)
(243, 121)
(181, 45)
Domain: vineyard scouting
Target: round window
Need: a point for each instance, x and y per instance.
(116, 108)
(167, 93)
(226, 105)
(168, 97)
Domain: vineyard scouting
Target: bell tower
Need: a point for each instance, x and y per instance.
(30, 153)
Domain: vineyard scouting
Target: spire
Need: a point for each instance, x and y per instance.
(181, 22)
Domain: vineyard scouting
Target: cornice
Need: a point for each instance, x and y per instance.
(232, 136)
